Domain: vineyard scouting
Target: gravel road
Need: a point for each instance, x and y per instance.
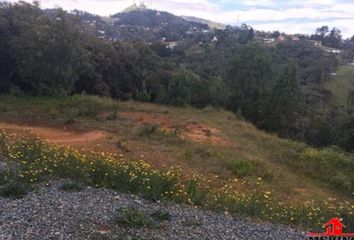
(50, 213)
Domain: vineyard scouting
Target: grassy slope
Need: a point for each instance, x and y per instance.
(340, 85)
(292, 171)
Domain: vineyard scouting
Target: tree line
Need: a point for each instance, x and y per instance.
(277, 88)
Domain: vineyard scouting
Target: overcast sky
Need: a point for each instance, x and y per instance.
(291, 16)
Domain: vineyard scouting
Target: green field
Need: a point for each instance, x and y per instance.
(339, 85)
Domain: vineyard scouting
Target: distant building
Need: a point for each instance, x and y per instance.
(281, 38)
(268, 40)
(171, 45)
(295, 38)
(316, 43)
(334, 51)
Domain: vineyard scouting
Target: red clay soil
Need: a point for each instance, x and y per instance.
(191, 131)
(59, 135)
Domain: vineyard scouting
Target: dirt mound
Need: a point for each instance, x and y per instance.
(192, 131)
(58, 135)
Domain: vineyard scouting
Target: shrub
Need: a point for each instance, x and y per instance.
(148, 130)
(330, 166)
(196, 193)
(14, 189)
(132, 217)
(240, 167)
(192, 222)
(71, 187)
(161, 215)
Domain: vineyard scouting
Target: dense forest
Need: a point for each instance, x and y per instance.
(277, 87)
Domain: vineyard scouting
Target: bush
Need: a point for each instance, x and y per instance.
(196, 193)
(341, 181)
(71, 187)
(241, 167)
(161, 215)
(148, 130)
(132, 217)
(14, 190)
(330, 166)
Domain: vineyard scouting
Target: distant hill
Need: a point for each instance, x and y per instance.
(154, 18)
(211, 24)
(149, 25)
(137, 22)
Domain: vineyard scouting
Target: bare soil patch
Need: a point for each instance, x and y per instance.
(191, 131)
(56, 134)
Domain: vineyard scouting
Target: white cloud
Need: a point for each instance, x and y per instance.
(347, 27)
(265, 14)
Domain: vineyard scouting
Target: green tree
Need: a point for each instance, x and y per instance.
(334, 39)
(286, 103)
(46, 50)
(249, 82)
(7, 64)
(184, 88)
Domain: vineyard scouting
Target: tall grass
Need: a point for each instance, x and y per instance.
(61, 109)
(330, 167)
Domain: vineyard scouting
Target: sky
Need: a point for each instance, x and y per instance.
(290, 16)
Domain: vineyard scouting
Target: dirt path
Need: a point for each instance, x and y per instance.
(58, 134)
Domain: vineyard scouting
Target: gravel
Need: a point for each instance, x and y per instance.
(49, 213)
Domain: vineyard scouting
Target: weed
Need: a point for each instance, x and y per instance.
(161, 215)
(132, 217)
(332, 166)
(112, 116)
(243, 168)
(192, 222)
(148, 130)
(196, 193)
(71, 187)
(14, 189)
(240, 167)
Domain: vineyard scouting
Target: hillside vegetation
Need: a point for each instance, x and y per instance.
(341, 84)
(205, 157)
(157, 57)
